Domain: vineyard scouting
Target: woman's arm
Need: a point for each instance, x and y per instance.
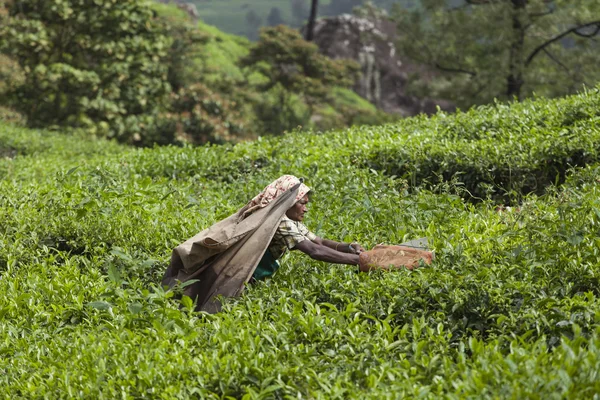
(322, 252)
(340, 246)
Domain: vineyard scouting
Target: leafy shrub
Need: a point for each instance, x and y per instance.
(199, 115)
(11, 116)
(294, 70)
(93, 65)
(11, 75)
(186, 43)
(508, 309)
(497, 153)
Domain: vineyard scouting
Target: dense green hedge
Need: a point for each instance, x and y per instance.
(509, 309)
(498, 150)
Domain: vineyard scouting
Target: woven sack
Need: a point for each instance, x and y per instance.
(391, 256)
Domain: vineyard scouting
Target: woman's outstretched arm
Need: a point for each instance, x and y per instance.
(322, 252)
(340, 246)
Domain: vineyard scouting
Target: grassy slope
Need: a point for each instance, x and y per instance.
(217, 60)
(86, 229)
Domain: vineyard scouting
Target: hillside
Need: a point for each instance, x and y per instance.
(509, 308)
(188, 83)
(215, 60)
(232, 16)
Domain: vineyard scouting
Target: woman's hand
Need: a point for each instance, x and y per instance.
(355, 248)
(350, 248)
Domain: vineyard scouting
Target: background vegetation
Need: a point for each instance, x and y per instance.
(242, 17)
(485, 50)
(146, 73)
(509, 308)
(481, 50)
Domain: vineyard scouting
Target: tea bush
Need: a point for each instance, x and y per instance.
(509, 309)
(499, 150)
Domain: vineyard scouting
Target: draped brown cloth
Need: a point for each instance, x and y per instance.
(223, 257)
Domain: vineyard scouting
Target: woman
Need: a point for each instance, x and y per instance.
(292, 234)
(245, 246)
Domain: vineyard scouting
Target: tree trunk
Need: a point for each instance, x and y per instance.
(517, 58)
(311, 20)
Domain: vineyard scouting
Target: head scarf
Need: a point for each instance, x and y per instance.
(273, 190)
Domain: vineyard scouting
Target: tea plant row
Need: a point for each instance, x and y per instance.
(509, 308)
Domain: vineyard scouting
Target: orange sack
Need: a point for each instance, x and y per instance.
(388, 256)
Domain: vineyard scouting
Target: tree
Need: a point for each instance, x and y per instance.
(95, 64)
(293, 67)
(186, 42)
(310, 30)
(199, 115)
(486, 49)
(199, 109)
(274, 18)
(11, 73)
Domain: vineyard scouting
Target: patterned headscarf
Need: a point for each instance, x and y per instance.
(273, 190)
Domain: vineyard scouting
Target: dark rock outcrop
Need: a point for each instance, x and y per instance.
(385, 73)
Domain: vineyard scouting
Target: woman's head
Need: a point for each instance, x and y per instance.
(297, 211)
(274, 190)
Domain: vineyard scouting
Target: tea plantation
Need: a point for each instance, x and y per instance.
(508, 195)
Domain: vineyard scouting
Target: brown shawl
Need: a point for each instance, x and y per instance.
(223, 257)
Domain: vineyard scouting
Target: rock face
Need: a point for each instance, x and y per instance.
(384, 73)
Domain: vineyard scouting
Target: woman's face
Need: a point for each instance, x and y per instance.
(296, 212)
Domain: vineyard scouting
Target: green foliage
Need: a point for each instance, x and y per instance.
(347, 108)
(207, 103)
(279, 111)
(501, 49)
(97, 65)
(206, 61)
(218, 59)
(294, 67)
(152, 76)
(207, 53)
(498, 153)
(202, 116)
(11, 116)
(349, 98)
(509, 309)
(186, 43)
(11, 76)
(355, 110)
(285, 58)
